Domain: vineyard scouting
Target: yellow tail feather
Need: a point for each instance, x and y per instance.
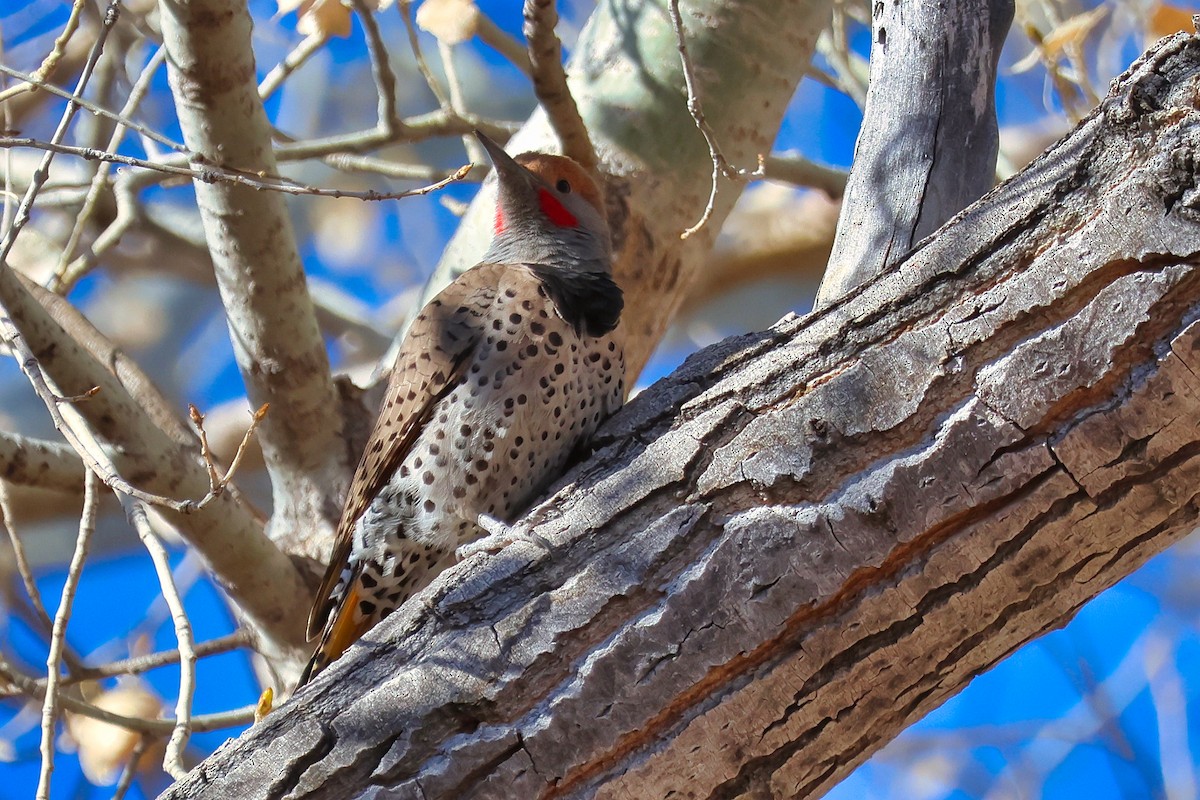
(343, 629)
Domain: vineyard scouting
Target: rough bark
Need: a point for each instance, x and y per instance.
(808, 537)
(928, 143)
(272, 322)
(627, 81)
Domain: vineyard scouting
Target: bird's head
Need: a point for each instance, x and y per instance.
(549, 210)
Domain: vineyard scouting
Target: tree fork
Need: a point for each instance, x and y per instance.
(807, 538)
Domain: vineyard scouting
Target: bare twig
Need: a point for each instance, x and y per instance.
(50, 707)
(799, 171)
(78, 99)
(43, 171)
(347, 162)
(129, 772)
(720, 165)
(23, 568)
(50, 62)
(139, 664)
(201, 723)
(389, 121)
(414, 43)
(419, 128)
(217, 481)
(291, 62)
(458, 102)
(550, 82)
(212, 174)
(173, 759)
(128, 213)
(67, 273)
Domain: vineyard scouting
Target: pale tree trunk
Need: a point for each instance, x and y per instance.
(808, 537)
(928, 143)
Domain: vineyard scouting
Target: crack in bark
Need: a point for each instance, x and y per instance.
(290, 779)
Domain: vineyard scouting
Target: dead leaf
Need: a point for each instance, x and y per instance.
(104, 748)
(324, 18)
(1049, 46)
(1167, 19)
(451, 21)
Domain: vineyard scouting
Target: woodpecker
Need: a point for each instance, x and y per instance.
(501, 377)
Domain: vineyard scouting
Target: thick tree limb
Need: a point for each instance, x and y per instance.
(257, 576)
(928, 143)
(808, 537)
(627, 81)
(274, 329)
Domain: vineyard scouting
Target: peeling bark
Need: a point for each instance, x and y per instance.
(808, 537)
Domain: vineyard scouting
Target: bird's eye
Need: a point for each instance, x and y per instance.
(563, 186)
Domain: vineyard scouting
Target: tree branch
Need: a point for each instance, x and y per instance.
(550, 82)
(928, 143)
(258, 577)
(807, 538)
(272, 322)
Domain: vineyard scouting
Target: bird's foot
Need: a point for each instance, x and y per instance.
(499, 536)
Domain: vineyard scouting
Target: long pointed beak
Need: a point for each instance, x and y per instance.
(507, 169)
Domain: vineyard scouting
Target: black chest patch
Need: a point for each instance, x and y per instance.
(590, 302)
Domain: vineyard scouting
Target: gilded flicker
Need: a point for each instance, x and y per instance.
(501, 377)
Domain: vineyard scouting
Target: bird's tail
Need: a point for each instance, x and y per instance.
(346, 624)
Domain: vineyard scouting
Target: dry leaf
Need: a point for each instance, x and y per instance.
(1048, 47)
(324, 17)
(1166, 19)
(104, 748)
(1072, 31)
(451, 21)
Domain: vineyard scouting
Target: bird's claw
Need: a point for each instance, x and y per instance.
(499, 536)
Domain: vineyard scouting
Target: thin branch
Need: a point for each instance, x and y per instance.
(60, 282)
(43, 171)
(23, 568)
(128, 213)
(418, 128)
(720, 165)
(173, 759)
(385, 80)
(201, 723)
(550, 82)
(217, 481)
(798, 171)
(214, 174)
(498, 39)
(136, 665)
(348, 162)
(129, 772)
(50, 62)
(78, 99)
(458, 102)
(414, 44)
(50, 707)
(291, 62)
